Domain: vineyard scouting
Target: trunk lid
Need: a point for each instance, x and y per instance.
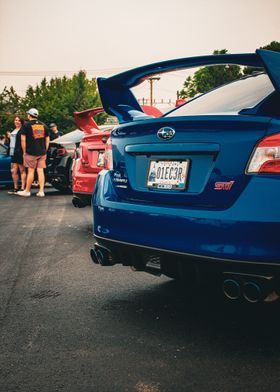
(91, 150)
(213, 151)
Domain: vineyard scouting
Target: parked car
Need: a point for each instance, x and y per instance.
(5, 166)
(60, 157)
(90, 159)
(195, 193)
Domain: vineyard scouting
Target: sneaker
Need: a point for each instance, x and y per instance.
(40, 194)
(23, 193)
(13, 191)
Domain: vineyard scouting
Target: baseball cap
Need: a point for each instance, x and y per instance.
(52, 125)
(33, 112)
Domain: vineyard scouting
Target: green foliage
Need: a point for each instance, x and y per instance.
(10, 103)
(274, 46)
(56, 101)
(207, 78)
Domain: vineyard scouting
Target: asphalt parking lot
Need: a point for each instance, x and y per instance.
(68, 325)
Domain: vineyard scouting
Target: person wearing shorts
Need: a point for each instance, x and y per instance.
(17, 157)
(35, 141)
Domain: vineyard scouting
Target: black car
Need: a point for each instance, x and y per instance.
(60, 157)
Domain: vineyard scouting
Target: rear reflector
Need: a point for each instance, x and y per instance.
(266, 157)
(61, 151)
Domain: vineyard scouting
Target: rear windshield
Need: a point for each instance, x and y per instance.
(71, 137)
(231, 98)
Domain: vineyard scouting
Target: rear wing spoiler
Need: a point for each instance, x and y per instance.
(85, 122)
(119, 101)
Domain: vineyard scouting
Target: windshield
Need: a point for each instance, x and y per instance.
(231, 98)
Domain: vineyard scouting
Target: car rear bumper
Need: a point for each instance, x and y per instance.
(247, 232)
(135, 255)
(52, 174)
(83, 182)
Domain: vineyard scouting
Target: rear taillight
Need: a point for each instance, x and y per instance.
(83, 154)
(108, 155)
(61, 151)
(266, 157)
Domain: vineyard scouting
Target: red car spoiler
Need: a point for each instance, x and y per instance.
(85, 122)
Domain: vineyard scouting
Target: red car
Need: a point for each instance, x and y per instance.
(91, 153)
(90, 158)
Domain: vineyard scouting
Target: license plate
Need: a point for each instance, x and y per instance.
(168, 174)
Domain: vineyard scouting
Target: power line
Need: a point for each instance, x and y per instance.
(58, 72)
(69, 71)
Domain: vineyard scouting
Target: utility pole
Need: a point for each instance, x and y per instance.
(151, 80)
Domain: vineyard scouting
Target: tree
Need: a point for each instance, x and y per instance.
(57, 99)
(274, 46)
(207, 78)
(10, 103)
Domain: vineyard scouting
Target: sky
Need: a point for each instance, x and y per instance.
(60, 37)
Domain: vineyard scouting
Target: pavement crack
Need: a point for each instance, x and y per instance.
(46, 294)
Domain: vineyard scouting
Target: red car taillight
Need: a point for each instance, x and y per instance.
(60, 151)
(266, 157)
(83, 155)
(108, 155)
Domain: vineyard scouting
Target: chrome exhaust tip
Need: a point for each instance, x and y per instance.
(102, 256)
(231, 289)
(252, 292)
(93, 256)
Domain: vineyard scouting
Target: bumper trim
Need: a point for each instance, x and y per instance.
(193, 257)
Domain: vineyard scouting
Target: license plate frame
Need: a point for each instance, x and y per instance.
(168, 174)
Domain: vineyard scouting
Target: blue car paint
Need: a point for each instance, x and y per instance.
(244, 130)
(213, 223)
(240, 225)
(5, 166)
(235, 233)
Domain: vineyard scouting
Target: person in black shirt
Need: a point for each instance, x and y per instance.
(35, 141)
(54, 133)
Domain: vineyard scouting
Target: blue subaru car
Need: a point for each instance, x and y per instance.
(195, 194)
(5, 166)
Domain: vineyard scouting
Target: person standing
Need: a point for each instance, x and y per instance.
(55, 133)
(17, 156)
(35, 141)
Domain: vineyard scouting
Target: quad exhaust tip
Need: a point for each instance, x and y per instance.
(251, 291)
